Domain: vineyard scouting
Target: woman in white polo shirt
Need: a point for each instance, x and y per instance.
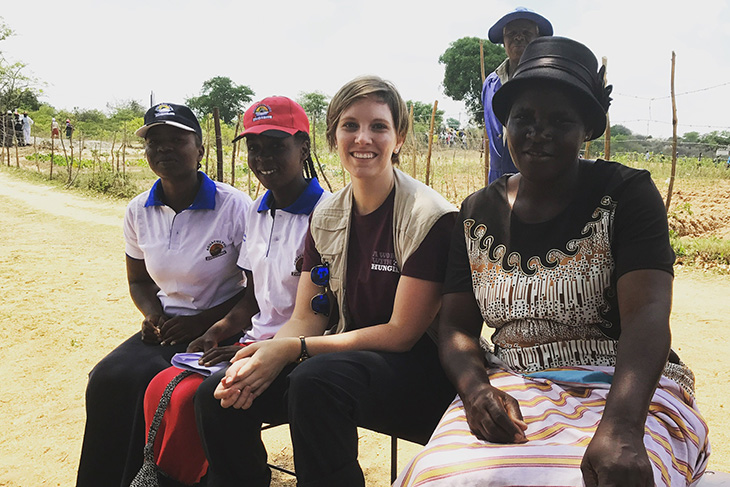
(276, 130)
(183, 239)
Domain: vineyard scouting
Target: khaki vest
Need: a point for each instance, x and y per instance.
(415, 210)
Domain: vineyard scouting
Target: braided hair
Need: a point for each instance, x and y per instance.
(309, 171)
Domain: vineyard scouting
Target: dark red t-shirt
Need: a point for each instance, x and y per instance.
(372, 270)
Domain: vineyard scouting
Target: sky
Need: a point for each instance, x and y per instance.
(90, 53)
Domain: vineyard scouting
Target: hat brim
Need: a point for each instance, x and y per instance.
(505, 97)
(142, 131)
(496, 32)
(269, 131)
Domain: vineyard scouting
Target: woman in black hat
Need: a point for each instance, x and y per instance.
(569, 262)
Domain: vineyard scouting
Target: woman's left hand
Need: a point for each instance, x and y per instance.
(616, 456)
(253, 370)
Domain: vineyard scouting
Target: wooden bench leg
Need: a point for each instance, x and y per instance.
(393, 458)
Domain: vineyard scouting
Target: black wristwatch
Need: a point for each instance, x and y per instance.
(304, 355)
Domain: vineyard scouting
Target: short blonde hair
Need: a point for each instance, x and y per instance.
(363, 87)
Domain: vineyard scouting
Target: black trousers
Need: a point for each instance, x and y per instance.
(114, 438)
(324, 400)
(115, 435)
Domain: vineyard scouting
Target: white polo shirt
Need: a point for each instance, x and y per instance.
(190, 255)
(273, 249)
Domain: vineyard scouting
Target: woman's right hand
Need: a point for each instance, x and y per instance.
(254, 368)
(494, 415)
(151, 328)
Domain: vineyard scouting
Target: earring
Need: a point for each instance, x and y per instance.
(396, 151)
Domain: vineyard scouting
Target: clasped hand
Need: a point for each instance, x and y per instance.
(252, 371)
(163, 330)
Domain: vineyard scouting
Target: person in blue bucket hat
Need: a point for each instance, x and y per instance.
(515, 30)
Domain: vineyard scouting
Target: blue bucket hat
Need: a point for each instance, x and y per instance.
(544, 27)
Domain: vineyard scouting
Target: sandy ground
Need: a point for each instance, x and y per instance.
(64, 304)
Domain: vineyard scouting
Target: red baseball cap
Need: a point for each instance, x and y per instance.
(275, 116)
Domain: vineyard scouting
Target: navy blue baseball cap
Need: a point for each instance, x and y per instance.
(544, 27)
(178, 116)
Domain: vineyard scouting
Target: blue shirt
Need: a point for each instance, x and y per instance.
(500, 160)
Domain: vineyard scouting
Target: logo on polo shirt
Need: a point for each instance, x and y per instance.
(216, 248)
(262, 112)
(298, 263)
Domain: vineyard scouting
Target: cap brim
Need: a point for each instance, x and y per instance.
(142, 131)
(269, 131)
(496, 32)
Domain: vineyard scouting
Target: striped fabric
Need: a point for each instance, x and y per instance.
(562, 418)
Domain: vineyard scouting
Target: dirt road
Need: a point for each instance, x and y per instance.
(64, 304)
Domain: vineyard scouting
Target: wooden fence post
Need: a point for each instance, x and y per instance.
(485, 148)
(430, 142)
(50, 176)
(674, 139)
(218, 143)
(207, 143)
(607, 136)
(414, 142)
(233, 155)
(35, 152)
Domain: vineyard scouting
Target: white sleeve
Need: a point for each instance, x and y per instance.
(131, 246)
(243, 261)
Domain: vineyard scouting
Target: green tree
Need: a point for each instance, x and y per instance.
(125, 110)
(17, 89)
(716, 138)
(462, 76)
(691, 137)
(620, 130)
(223, 93)
(315, 105)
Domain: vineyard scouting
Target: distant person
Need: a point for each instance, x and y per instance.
(647, 156)
(18, 125)
(69, 129)
(55, 131)
(6, 125)
(183, 238)
(27, 122)
(727, 164)
(515, 30)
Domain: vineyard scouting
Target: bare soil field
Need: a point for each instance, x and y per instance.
(64, 305)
